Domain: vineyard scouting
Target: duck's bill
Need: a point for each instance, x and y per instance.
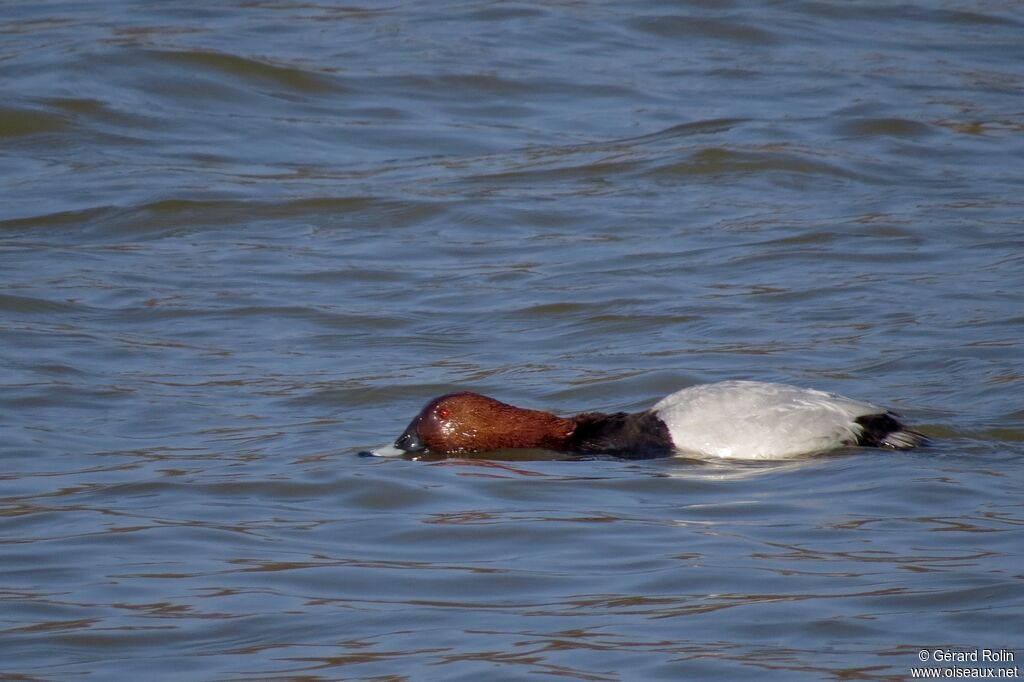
(389, 451)
(408, 443)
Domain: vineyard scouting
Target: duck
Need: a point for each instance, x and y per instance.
(736, 419)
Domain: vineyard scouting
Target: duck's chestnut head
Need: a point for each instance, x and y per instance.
(470, 422)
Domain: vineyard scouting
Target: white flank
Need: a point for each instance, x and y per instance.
(758, 420)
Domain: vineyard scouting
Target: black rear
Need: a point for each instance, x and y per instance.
(885, 431)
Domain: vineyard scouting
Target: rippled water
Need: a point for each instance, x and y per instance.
(241, 243)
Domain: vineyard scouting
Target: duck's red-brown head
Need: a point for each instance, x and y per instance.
(470, 422)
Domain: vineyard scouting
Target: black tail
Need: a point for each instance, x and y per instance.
(885, 431)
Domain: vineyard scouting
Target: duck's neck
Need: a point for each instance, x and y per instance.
(524, 428)
(639, 435)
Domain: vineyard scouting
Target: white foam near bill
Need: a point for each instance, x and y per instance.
(388, 451)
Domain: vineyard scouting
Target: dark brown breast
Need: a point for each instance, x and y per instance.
(639, 435)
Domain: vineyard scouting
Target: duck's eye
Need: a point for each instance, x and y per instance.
(444, 413)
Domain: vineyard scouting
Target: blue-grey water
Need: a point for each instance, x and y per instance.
(241, 242)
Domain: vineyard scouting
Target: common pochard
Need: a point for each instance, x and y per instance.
(730, 419)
